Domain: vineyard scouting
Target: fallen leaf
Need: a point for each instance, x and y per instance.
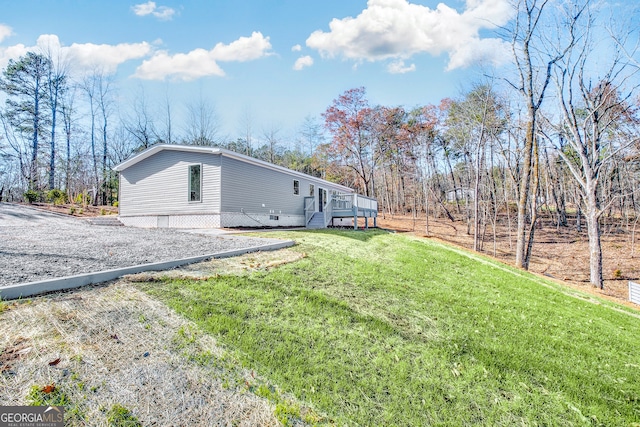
(24, 351)
(114, 336)
(55, 362)
(49, 388)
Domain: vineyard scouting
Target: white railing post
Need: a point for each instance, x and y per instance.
(328, 208)
(309, 208)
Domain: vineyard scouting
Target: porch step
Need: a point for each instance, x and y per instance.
(317, 221)
(105, 221)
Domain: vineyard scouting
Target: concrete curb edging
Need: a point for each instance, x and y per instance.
(23, 290)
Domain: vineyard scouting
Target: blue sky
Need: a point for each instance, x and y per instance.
(278, 61)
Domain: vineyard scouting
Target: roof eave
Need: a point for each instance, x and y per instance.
(217, 150)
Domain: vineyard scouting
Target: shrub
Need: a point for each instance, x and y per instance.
(57, 197)
(72, 210)
(31, 196)
(82, 199)
(116, 204)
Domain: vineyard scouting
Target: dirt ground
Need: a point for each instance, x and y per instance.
(561, 254)
(77, 210)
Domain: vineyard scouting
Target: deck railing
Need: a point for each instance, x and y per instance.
(309, 208)
(328, 210)
(366, 203)
(349, 201)
(342, 202)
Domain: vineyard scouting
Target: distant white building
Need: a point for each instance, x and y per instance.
(461, 193)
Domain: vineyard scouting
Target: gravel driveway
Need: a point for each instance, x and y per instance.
(37, 245)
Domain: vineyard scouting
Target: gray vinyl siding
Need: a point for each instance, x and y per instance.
(246, 187)
(159, 185)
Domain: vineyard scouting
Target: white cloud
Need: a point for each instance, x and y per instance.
(302, 62)
(243, 49)
(398, 67)
(144, 9)
(107, 57)
(163, 13)
(200, 62)
(5, 31)
(82, 56)
(296, 48)
(492, 51)
(397, 29)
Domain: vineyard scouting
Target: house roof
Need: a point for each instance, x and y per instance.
(224, 152)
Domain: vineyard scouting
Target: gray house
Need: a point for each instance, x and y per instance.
(207, 187)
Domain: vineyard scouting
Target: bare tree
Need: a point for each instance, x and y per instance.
(202, 123)
(57, 84)
(596, 120)
(105, 101)
(97, 86)
(475, 121)
(534, 58)
(140, 124)
(68, 121)
(272, 142)
(165, 134)
(88, 87)
(246, 130)
(312, 134)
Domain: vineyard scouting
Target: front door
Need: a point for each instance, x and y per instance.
(320, 200)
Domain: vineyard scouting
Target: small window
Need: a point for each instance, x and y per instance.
(274, 217)
(195, 180)
(296, 187)
(312, 190)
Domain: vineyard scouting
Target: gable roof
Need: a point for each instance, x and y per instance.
(224, 152)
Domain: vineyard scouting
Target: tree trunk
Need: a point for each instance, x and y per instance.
(593, 229)
(523, 199)
(105, 180)
(52, 161)
(535, 180)
(33, 170)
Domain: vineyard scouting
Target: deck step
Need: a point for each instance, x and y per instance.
(111, 221)
(317, 221)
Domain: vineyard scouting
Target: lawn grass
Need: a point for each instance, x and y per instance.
(384, 329)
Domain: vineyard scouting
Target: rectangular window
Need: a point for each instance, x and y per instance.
(195, 182)
(296, 187)
(312, 190)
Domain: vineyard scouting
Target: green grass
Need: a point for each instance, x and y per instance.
(57, 397)
(382, 329)
(119, 416)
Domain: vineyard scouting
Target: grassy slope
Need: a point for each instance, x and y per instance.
(381, 329)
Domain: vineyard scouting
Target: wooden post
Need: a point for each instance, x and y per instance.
(355, 218)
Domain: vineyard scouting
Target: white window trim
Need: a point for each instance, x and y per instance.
(189, 182)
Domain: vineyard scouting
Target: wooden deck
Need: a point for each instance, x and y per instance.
(345, 206)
